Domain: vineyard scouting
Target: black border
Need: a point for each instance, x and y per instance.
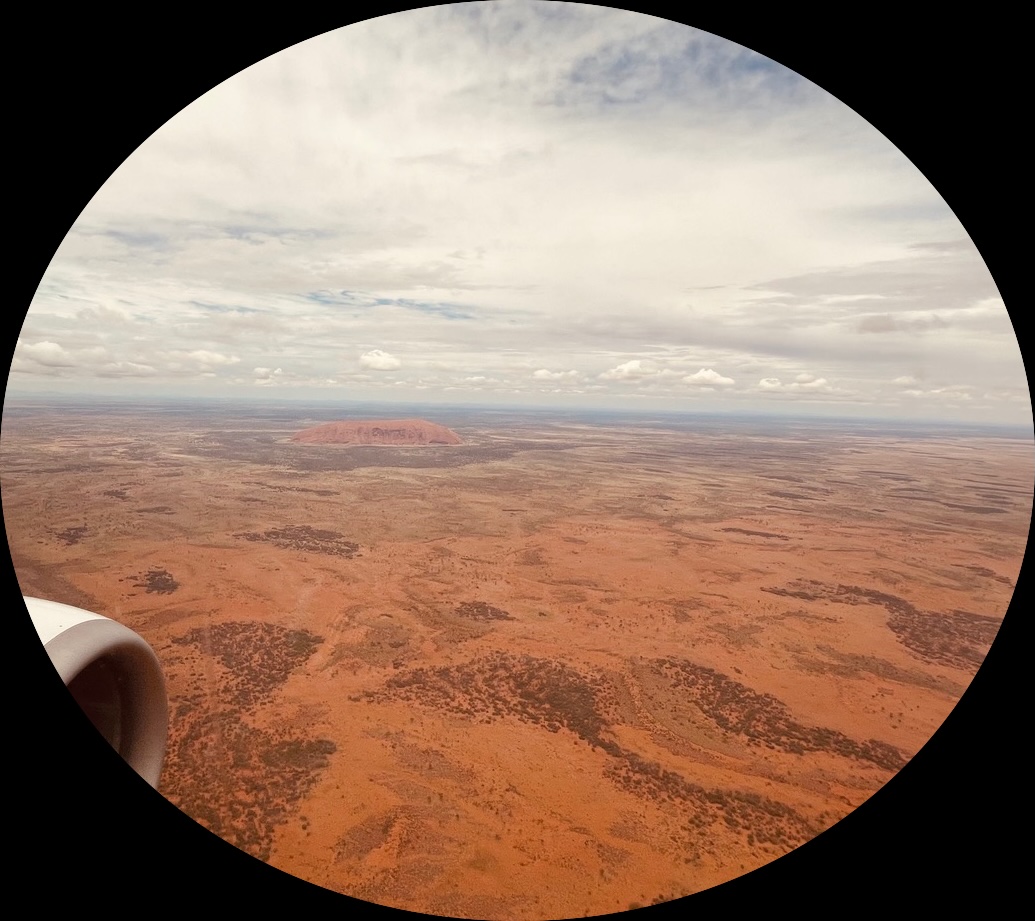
(86, 88)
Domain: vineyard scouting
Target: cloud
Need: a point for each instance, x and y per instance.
(802, 383)
(48, 354)
(268, 377)
(628, 371)
(707, 377)
(125, 369)
(950, 393)
(544, 375)
(51, 359)
(209, 359)
(886, 323)
(377, 360)
(442, 182)
(811, 384)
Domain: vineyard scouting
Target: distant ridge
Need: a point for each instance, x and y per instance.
(378, 432)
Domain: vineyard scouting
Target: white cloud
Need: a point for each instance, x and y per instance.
(125, 369)
(212, 359)
(46, 353)
(707, 377)
(627, 371)
(377, 360)
(802, 383)
(442, 182)
(811, 384)
(268, 377)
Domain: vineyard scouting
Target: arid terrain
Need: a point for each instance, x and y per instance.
(569, 666)
(378, 432)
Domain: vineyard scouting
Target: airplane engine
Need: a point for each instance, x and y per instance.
(114, 676)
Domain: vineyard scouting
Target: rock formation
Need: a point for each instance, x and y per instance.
(379, 432)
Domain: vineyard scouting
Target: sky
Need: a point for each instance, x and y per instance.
(525, 202)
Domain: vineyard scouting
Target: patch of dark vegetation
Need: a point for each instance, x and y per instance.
(157, 582)
(762, 820)
(555, 696)
(542, 692)
(72, 535)
(307, 539)
(762, 718)
(277, 487)
(888, 475)
(755, 533)
(116, 494)
(986, 572)
(258, 657)
(918, 495)
(303, 754)
(813, 590)
(975, 509)
(479, 610)
(72, 468)
(850, 665)
(238, 781)
(803, 590)
(959, 639)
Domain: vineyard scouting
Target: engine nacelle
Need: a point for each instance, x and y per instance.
(115, 677)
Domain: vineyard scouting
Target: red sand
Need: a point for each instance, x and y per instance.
(379, 432)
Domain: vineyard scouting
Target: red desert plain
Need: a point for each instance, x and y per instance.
(513, 665)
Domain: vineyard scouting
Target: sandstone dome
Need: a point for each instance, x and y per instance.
(378, 432)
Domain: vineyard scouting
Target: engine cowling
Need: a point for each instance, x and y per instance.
(114, 676)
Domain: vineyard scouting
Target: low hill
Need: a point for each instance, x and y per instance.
(378, 432)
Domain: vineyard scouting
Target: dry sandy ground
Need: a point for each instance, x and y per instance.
(561, 669)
